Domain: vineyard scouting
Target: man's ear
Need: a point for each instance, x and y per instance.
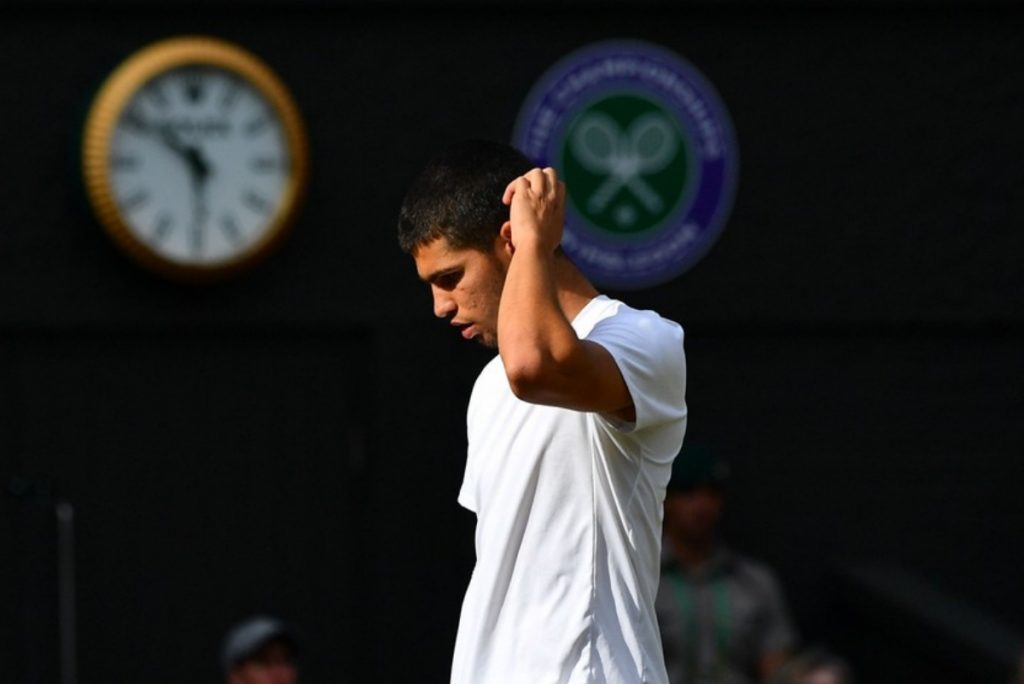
(505, 238)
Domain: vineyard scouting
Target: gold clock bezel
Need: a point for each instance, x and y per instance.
(119, 89)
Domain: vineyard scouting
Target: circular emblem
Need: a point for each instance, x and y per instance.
(195, 159)
(647, 152)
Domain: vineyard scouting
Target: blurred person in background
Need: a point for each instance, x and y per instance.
(815, 666)
(722, 616)
(260, 650)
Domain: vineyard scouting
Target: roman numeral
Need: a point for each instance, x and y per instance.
(196, 240)
(230, 228)
(135, 201)
(230, 96)
(133, 120)
(156, 94)
(256, 125)
(256, 202)
(164, 223)
(195, 86)
(121, 162)
(265, 164)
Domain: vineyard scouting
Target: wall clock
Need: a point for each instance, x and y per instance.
(195, 158)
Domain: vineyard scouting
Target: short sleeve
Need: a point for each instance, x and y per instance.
(466, 497)
(648, 350)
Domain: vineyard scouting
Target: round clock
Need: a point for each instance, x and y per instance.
(195, 158)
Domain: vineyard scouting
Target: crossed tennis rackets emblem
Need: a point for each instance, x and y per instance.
(625, 156)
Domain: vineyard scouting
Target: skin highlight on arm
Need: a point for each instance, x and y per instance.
(544, 359)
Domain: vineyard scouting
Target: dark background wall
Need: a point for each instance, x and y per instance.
(293, 441)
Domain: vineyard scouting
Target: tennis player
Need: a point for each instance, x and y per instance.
(572, 429)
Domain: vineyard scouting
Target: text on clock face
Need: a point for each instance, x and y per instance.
(199, 165)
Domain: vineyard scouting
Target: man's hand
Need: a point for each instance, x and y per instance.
(537, 210)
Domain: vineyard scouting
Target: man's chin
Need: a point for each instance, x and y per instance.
(487, 341)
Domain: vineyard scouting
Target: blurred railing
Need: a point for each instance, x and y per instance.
(908, 611)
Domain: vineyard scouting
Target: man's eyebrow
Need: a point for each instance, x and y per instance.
(434, 276)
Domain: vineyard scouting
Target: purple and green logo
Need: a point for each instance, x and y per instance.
(647, 152)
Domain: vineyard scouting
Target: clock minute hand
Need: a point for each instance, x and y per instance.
(192, 155)
(199, 171)
(170, 138)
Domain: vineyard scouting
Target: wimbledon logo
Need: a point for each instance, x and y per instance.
(647, 152)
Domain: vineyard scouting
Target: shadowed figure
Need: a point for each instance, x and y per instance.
(722, 616)
(260, 650)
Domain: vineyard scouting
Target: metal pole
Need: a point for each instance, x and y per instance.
(66, 591)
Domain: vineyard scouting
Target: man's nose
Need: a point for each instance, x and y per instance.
(444, 305)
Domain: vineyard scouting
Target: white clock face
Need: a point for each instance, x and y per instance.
(199, 165)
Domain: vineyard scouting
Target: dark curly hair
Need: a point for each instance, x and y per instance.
(458, 196)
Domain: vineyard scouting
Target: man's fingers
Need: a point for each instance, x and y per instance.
(537, 181)
(551, 179)
(510, 190)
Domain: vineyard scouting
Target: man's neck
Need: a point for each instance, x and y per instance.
(573, 289)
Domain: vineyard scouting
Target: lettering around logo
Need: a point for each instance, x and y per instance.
(647, 150)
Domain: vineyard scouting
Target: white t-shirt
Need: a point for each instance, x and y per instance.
(569, 513)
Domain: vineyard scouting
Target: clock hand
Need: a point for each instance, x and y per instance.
(197, 161)
(170, 138)
(199, 215)
(191, 154)
(200, 170)
(200, 212)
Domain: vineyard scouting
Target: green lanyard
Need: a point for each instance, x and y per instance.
(692, 635)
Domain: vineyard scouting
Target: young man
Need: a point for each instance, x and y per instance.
(572, 429)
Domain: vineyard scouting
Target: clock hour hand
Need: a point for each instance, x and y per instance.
(192, 155)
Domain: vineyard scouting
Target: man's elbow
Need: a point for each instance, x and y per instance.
(528, 377)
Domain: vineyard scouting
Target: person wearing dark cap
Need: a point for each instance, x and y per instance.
(722, 616)
(260, 650)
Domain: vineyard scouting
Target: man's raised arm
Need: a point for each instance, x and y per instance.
(545, 361)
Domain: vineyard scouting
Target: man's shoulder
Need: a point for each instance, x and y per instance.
(754, 573)
(609, 313)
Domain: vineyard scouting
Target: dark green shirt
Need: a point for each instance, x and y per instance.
(718, 621)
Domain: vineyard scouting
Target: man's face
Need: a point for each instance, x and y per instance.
(693, 515)
(273, 664)
(466, 285)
